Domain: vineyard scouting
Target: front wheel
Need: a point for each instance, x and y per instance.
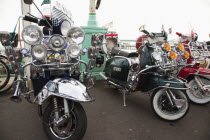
(74, 127)
(4, 74)
(170, 104)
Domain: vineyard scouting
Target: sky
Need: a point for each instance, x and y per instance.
(128, 16)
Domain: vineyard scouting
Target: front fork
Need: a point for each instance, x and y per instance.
(60, 120)
(202, 86)
(173, 100)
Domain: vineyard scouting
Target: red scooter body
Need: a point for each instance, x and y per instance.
(185, 72)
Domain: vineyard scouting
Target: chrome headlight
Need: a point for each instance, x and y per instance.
(157, 56)
(51, 86)
(73, 50)
(76, 35)
(57, 43)
(39, 52)
(65, 26)
(32, 35)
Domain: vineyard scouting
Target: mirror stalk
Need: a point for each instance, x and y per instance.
(43, 16)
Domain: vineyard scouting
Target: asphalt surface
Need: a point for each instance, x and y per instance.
(108, 119)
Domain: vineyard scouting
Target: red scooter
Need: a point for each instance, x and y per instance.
(198, 78)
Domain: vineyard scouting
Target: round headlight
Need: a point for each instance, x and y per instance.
(32, 35)
(57, 43)
(166, 46)
(39, 52)
(76, 35)
(73, 50)
(172, 55)
(65, 26)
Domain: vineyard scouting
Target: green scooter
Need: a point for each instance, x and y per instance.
(147, 70)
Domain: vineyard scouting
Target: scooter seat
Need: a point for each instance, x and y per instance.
(117, 52)
(159, 34)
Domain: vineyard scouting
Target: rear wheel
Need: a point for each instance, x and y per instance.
(4, 74)
(196, 94)
(163, 107)
(13, 76)
(74, 127)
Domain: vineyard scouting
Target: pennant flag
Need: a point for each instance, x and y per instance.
(46, 2)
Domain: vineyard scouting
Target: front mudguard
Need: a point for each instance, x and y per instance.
(153, 82)
(70, 89)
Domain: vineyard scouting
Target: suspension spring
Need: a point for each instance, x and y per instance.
(56, 107)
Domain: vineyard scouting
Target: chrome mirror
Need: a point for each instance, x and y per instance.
(28, 1)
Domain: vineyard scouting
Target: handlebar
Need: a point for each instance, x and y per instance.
(30, 19)
(147, 33)
(40, 22)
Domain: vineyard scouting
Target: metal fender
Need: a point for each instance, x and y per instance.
(70, 89)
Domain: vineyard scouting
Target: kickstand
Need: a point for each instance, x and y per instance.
(124, 94)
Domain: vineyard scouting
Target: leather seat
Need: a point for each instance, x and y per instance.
(158, 34)
(117, 52)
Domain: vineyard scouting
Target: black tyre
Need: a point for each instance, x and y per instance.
(4, 74)
(13, 76)
(162, 107)
(73, 129)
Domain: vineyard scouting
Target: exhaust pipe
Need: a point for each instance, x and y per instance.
(103, 76)
(16, 97)
(112, 83)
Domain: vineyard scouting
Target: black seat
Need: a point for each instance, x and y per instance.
(117, 52)
(159, 34)
(162, 34)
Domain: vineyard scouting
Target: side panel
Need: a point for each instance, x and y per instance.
(149, 82)
(186, 71)
(117, 68)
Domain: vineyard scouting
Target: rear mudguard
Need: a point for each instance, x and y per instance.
(70, 89)
(151, 82)
(189, 72)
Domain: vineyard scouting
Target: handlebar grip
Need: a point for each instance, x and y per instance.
(179, 34)
(31, 19)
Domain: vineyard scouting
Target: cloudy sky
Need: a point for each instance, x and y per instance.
(127, 16)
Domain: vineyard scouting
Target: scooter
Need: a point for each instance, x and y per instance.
(197, 77)
(148, 70)
(54, 57)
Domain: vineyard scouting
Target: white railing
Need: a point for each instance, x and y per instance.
(128, 44)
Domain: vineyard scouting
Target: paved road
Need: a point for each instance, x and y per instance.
(108, 119)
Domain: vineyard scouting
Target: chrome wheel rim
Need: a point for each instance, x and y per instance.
(65, 131)
(165, 106)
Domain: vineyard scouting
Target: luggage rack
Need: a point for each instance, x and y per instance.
(199, 51)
